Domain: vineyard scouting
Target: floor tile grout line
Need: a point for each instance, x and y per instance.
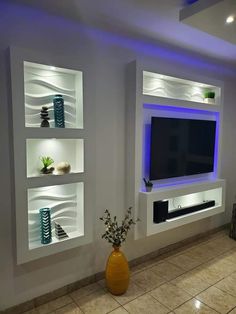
(166, 280)
(192, 245)
(78, 306)
(125, 309)
(209, 288)
(231, 310)
(211, 285)
(201, 263)
(195, 297)
(199, 301)
(165, 305)
(232, 295)
(145, 292)
(212, 258)
(110, 312)
(168, 308)
(196, 243)
(148, 293)
(209, 305)
(58, 308)
(182, 249)
(89, 293)
(201, 241)
(169, 281)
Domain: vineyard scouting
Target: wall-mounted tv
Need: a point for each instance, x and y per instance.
(181, 147)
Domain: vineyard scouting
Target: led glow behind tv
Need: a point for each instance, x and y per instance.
(181, 147)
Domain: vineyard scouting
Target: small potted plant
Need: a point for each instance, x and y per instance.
(47, 161)
(209, 97)
(117, 268)
(148, 185)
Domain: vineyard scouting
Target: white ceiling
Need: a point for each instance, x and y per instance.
(210, 16)
(152, 19)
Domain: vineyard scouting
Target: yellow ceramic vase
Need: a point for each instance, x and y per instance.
(117, 272)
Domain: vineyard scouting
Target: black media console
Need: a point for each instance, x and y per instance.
(161, 214)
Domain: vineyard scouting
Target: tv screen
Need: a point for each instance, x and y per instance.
(181, 147)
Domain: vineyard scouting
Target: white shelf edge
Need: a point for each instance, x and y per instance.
(61, 133)
(38, 245)
(201, 185)
(172, 102)
(146, 199)
(53, 248)
(197, 80)
(38, 65)
(185, 219)
(47, 180)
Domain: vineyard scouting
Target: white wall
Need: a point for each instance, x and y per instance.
(107, 56)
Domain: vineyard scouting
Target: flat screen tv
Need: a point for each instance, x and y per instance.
(181, 147)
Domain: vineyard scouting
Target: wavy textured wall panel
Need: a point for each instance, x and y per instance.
(41, 85)
(62, 200)
(171, 89)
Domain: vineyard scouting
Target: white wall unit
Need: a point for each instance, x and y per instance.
(70, 150)
(34, 84)
(42, 82)
(179, 196)
(160, 85)
(151, 93)
(66, 203)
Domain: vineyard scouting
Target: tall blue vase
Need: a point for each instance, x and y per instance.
(45, 224)
(59, 116)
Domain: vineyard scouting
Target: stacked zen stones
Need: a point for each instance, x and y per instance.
(44, 117)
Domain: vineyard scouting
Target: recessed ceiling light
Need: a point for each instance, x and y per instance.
(230, 19)
(52, 68)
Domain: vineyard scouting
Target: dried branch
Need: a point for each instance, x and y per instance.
(114, 233)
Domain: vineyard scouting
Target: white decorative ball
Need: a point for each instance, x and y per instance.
(63, 167)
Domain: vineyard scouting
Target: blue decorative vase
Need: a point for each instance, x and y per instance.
(45, 224)
(59, 116)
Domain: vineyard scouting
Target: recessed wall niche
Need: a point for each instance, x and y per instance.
(35, 83)
(60, 150)
(42, 83)
(160, 85)
(66, 203)
(156, 94)
(187, 200)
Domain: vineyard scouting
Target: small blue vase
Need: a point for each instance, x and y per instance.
(59, 117)
(45, 224)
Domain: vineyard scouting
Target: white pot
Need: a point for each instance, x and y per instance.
(210, 101)
(148, 188)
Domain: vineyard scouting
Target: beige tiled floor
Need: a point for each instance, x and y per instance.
(198, 279)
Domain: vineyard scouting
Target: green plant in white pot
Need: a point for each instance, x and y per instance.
(209, 97)
(47, 162)
(148, 185)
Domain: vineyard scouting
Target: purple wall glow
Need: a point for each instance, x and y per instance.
(45, 23)
(189, 2)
